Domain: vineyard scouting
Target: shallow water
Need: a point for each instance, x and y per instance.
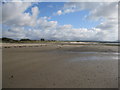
(96, 56)
(114, 53)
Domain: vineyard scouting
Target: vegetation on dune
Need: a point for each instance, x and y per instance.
(42, 40)
(9, 40)
(25, 40)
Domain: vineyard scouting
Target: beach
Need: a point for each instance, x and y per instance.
(76, 65)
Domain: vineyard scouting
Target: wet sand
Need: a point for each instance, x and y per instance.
(60, 66)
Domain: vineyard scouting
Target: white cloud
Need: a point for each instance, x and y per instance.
(66, 32)
(47, 18)
(59, 12)
(14, 32)
(11, 10)
(44, 24)
(108, 11)
(35, 12)
(43, 28)
(17, 17)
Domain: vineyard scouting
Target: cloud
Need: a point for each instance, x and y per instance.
(65, 32)
(42, 23)
(59, 12)
(108, 11)
(11, 10)
(35, 12)
(15, 33)
(15, 15)
(24, 25)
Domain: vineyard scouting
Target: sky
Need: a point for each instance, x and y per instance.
(71, 21)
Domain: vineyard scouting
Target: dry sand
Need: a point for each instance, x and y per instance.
(60, 66)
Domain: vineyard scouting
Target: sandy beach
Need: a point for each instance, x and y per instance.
(60, 66)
